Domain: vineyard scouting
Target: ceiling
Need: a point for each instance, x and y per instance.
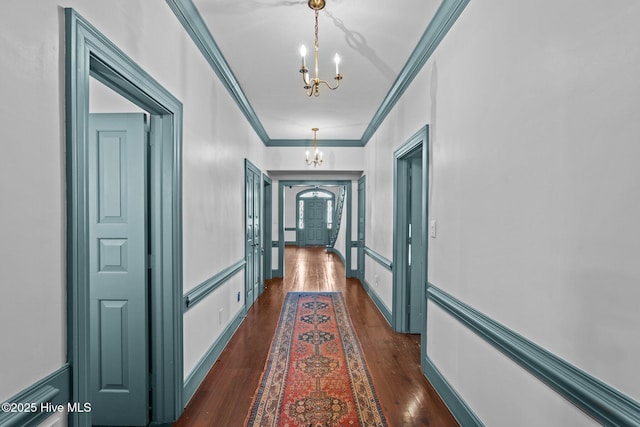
(260, 41)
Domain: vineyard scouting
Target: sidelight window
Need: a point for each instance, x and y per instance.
(301, 214)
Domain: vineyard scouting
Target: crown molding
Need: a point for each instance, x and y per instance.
(309, 142)
(442, 21)
(192, 21)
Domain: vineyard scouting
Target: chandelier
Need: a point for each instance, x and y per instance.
(316, 160)
(312, 86)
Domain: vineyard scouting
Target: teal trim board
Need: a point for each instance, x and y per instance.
(379, 258)
(319, 142)
(205, 364)
(88, 53)
(602, 402)
(54, 389)
(417, 144)
(198, 293)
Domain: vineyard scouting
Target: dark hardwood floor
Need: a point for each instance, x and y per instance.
(225, 396)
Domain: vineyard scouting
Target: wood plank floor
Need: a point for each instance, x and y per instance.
(225, 396)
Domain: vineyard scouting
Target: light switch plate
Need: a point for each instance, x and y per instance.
(432, 228)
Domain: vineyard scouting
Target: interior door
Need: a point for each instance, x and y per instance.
(315, 222)
(118, 269)
(257, 236)
(253, 237)
(361, 225)
(250, 237)
(416, 254)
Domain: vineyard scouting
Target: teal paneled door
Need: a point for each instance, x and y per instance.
(249, 237)
(417, 256)
(315, 222)
(257, 236)
(253, 230)
(117, 195)
(362, 187)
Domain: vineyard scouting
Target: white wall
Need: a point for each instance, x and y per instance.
(534, 119)
(32, 269)
(216, 140)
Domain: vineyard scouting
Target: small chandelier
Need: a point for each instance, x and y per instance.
(312, 86)
(316, 160)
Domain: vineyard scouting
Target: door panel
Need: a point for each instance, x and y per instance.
(118, 269)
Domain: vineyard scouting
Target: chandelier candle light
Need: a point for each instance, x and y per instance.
(316, 160)
(312, 86)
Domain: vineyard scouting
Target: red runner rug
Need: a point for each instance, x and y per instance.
(316, 375)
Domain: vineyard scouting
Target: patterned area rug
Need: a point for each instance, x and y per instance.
(315, 375)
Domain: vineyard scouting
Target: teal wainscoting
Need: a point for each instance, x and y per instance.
(194, 296)
(54, 389)
(597, 399)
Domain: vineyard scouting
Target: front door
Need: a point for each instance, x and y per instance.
(315, 222)
(118, 279)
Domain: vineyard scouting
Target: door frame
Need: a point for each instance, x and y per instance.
(90, 54)
(401, 157)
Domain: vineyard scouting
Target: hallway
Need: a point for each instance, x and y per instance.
(479, 158)
(407, 398)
